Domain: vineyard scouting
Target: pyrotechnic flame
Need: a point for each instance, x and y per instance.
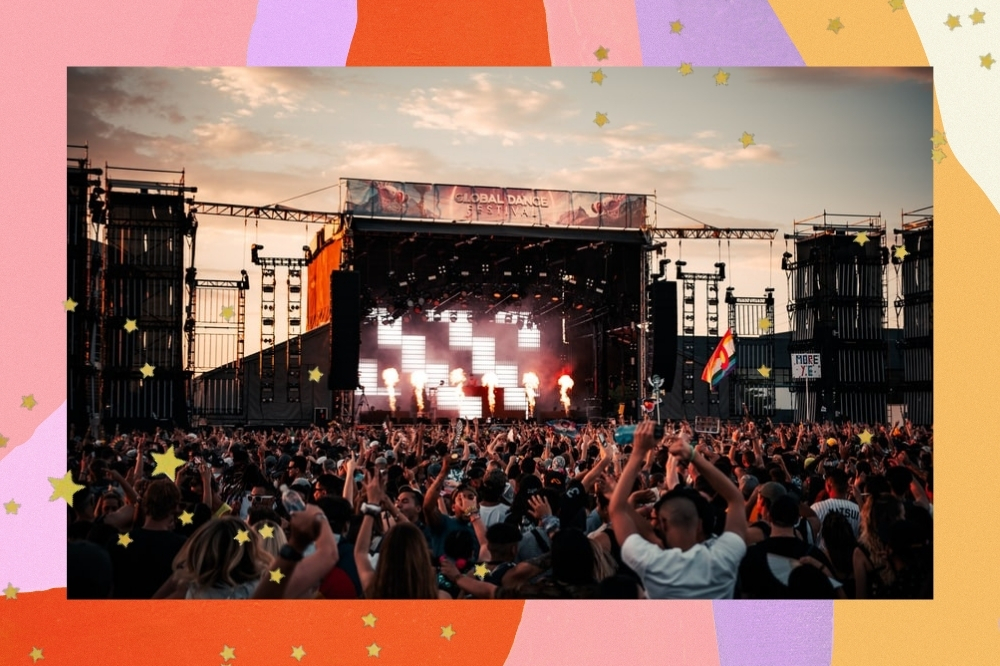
(565, 384)
(457, 378)
(490, 381)
(530, 381)
(419, 379)
(391, 377)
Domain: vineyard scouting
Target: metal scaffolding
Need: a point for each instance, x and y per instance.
(217, 343)
(751, 319)
(913, 258)
(689, 290)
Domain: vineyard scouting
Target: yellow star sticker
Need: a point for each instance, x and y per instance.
(986, 60)
(865, 437)
(315, 374)
(228, 312)
(861, 238)
(721, 78)
(147, 370)
(130, 325)
(70, 305)
(369, 620)
(601, 119)
(601, 53)
(901, 252)
(676, 27)
(276, 575)
(747, 139)
(937, 155)
(685, 69)
(267, 532)
(167, 463)
(187, 518)
(227, 653)
(298, 653)
(896, 4)
(953, 22)
(447, 632)
(3, 441)
(64, 488)
(12, 507)
(28, 401)
(11, 592)
(373, 650)
(482, 571)
(939, 139)
(243, 536)
(764, 323)
(124, 540)
(764, 371)
(977, 16)
(835, 25)
(35, 655)
(597, 77)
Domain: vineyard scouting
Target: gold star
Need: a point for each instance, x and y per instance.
(865, 437)
(130, 325)
(373, 650)
(369, 620)
(28, 401)
(267, 532)
(721, 78)
(12, 507)
(747, 139)
(764, 371)
(70, 305)
(986, 60)
(937, 155)
(124, 540)
(147, 370)
(242, 536)
(977, 16)
(896, 4)
(601, 53)
(939, 139)
(187, 518)
(835, 25)
(228, 312)
(276, 575)
(763, 323)
(11, 592)
(952, 22)
(315, 374)
(167, 463)
(597, 77)
(3, 441)
(901, 252)
(685, 69)
(64, 488)
(227, 653)
(482, 571)
(676, 27)
(36, 654)
(601, 119)
(861, 238)
(447, 632)
(298, 653)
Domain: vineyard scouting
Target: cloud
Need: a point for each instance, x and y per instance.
(287, 88)
(707, 134)
(112, 91)
(366, 159)
(842, 77)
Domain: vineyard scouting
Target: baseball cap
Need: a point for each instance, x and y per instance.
(772, 490)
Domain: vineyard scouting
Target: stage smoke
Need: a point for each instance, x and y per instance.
(419, 379)
(490, 381)
(565, 384)
(530, 381)
(457, 379)
(391, 377)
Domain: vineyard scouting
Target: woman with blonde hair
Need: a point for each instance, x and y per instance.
(274, 539)
(873, 575)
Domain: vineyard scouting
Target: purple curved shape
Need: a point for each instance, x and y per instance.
(716, 33)
(766, 633)
(303, 33)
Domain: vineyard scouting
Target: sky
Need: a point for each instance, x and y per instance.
(837, 140)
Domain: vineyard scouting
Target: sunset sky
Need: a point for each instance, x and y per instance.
(847, 141)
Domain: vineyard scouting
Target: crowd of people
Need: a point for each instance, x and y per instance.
(531, 511)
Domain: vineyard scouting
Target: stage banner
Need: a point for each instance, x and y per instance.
(492, 205)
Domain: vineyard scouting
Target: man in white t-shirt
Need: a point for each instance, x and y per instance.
(837, 492)
(687, 566)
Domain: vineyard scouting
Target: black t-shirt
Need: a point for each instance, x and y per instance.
(755, 578)
(145, 564)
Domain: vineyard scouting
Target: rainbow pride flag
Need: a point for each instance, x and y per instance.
(722, 361)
